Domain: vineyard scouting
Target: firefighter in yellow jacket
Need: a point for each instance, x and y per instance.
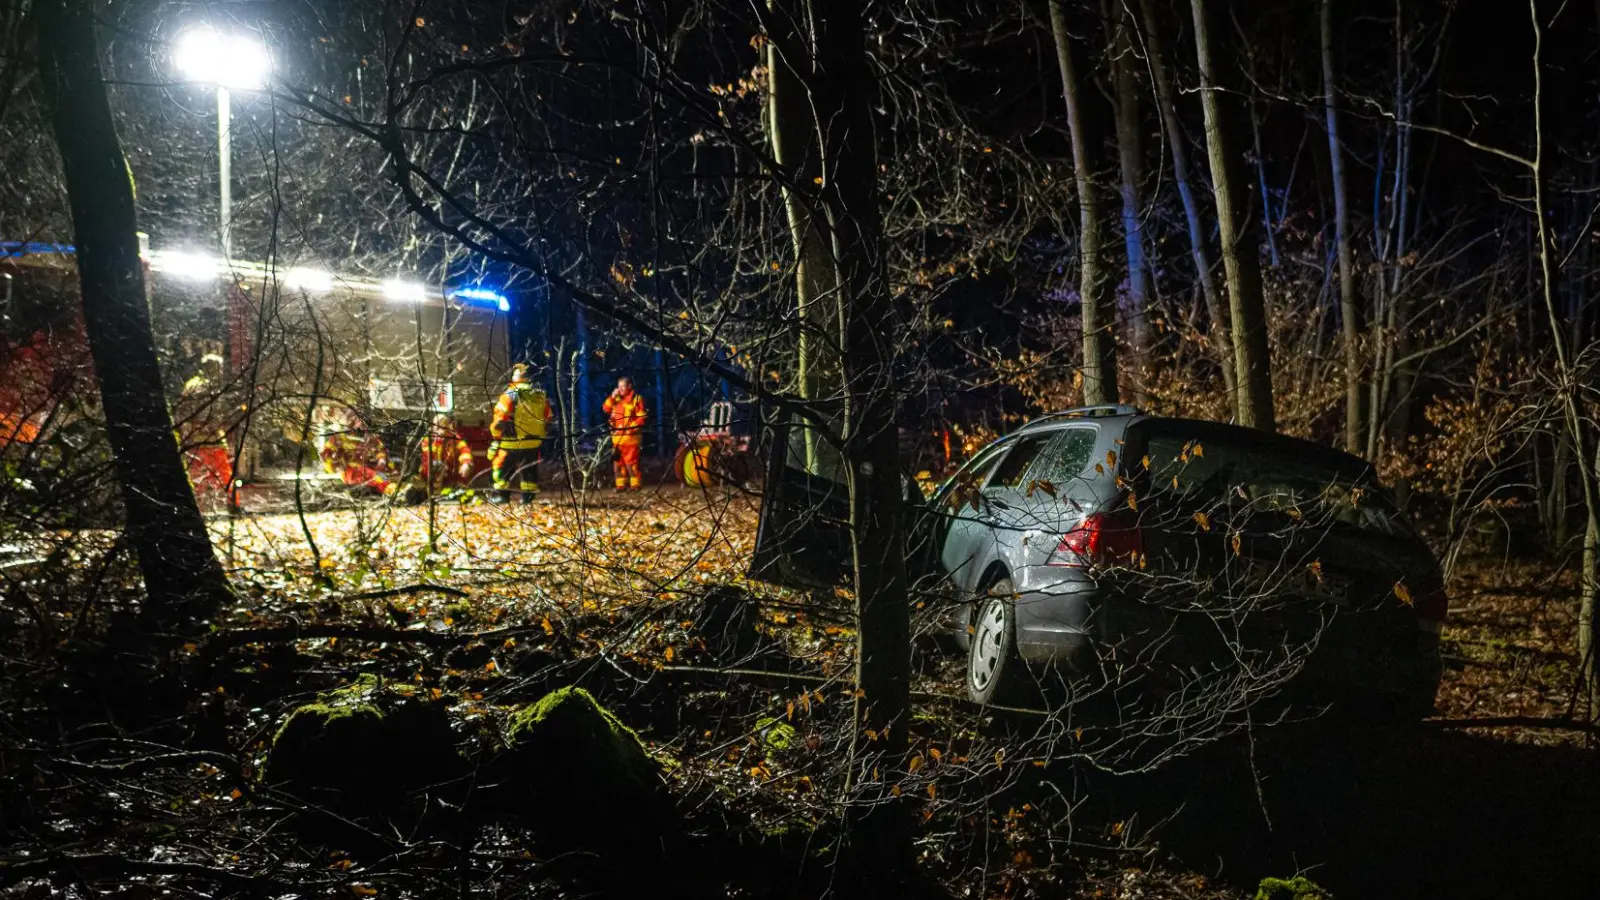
(521, 419)
(626, 409)
(446, 456)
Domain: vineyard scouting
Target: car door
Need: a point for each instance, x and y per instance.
(964, 515)
(803, 533)
(997, 517)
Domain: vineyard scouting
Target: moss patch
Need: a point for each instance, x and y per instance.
(775, 733)
(364, 746)
(1296, 888)
(567, 728)
(582, 780)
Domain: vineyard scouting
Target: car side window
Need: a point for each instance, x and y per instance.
(1013, 470)
(960, 489)
(1067, 457)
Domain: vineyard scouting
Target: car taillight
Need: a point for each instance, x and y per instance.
(1100, 539)
(1433, 610)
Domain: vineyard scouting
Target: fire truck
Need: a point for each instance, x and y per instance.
(301, 347)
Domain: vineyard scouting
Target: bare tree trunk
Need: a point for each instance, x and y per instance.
(1349, 310)
(792, 133)
(1099, 336)
(877, 822)
(1240, 256)
(1129, 152)
(1267, 229)
(182, 577)
(1167, 100)
(1588, 466)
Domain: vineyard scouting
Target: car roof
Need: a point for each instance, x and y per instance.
(1128, 417)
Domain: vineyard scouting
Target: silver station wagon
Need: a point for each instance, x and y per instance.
(1101, 542)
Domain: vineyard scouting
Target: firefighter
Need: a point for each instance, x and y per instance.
(202, 433)
(626, 409)
(357, 456)
(520, 422)
(445, 454)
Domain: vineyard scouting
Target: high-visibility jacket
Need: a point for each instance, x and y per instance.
(627, 417)
(353, 457)
(521, 418)
(436, 452)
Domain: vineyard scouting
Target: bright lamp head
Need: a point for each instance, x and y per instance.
(231, 61)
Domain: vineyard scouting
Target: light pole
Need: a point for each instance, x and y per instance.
(231, 62)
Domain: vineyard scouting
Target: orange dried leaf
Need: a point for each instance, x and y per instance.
(1402, 593)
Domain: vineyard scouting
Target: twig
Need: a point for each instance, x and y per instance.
(422, 588)
(374, 633)
(100, 865)
(1537, 722)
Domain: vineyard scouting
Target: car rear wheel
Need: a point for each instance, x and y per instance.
(994, 671)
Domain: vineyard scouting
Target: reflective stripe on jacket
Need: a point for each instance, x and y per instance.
(627, 417)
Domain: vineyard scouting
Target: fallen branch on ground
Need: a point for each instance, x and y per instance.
(1538, 722)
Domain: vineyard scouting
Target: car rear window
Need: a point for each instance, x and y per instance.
(1067, 457)
(1214, 470)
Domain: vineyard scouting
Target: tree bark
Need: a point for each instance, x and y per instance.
(1167, 99)
(792, 135)
(1349, 308)
(1129, 155)
(1240, 257)
(183, 579)
(1588, 464)
(843, 92)
(1099, 336)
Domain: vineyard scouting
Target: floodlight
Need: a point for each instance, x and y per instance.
(309, 279)
(231, 61)
(404, 291)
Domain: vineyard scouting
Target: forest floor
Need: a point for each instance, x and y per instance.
(489, 608)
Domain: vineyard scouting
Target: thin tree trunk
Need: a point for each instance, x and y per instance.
(877, 823)
(1129, 154)
(1099, 337)
(1588, 466)
(1267, 229)
(1349, 310)
(182, 577)
(792, 134)
(1240, 255)
(1167, 100)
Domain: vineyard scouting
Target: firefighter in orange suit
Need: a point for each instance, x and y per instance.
(356, 455)
(203, 433)
(446, 457)
(626, 409)
(521, 419)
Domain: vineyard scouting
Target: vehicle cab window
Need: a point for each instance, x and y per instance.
(1013, 470)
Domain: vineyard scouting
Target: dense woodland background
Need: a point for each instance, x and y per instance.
(1369, 224)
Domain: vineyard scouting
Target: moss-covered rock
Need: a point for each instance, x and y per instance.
(775, 733)
(582, 781)
(363, 747)
(1296, 888)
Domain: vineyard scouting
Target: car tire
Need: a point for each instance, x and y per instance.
(994, 670)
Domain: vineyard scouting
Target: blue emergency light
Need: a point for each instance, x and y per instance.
(33, 248)
(482, 297)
